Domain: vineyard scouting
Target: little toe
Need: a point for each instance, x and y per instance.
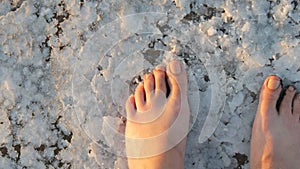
(149, 86)
(160, 79)
(286, 104)
(139, 96)
(296, 105)
(269, 95)
(130, 106)
(177, 78)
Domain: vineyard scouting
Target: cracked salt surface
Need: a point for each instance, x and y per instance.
(54, 117)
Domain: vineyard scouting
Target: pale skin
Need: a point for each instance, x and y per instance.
(177, 82)
(275, 135)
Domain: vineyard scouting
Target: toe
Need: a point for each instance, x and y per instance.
(139, 96)
(130, 106)
(286, 104)
(160, 79)
(296, 105)
(269, 95)
(177, 78)
(149, 85)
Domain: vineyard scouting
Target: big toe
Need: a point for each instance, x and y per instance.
(177, 78)
(269, 94)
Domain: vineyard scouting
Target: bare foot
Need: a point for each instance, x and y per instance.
(275, 141)
(157, 124)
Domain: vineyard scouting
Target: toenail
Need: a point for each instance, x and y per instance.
(160, 67)
(273, 83)
(147, 76)
(175, 67)
(291, 88)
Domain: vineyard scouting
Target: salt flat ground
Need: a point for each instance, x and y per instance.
(67, 67)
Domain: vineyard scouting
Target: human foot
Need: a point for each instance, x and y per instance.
(157, 124)
(275, 141)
